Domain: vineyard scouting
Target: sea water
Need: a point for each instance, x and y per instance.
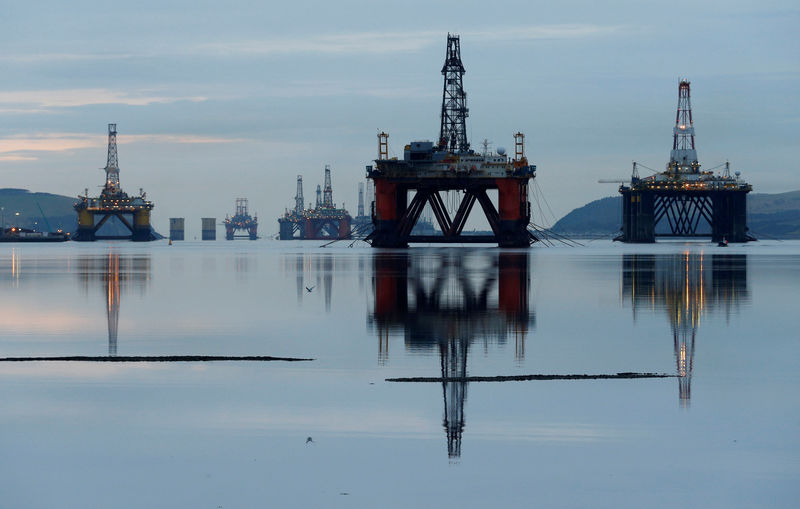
(721, 430)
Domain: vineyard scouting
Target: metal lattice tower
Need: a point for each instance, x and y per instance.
(453, 132)
(683, 158)
(241, 206)
(298, 199)
(319, 196)
(360, 199)
(327, 193)
(519, 146)
(383, 145)
(112, 164)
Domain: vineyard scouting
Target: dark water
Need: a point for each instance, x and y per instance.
(722, 431)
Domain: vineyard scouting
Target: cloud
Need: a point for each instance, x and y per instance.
(358, 43)
(40, 100)
(318, 88)
(20, 147)
(55, 142)
(18, 158)
(567, 31)
(396, 42)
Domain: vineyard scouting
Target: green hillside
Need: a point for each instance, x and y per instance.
(21, 208)
(768, 215)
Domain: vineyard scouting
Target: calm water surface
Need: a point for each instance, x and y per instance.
(723, 432)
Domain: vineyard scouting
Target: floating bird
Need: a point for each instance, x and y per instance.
(308, 289)
(309, 440)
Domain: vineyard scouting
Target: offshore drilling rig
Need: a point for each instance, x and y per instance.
(241, 221)
(450, 165)
(323, 222)
(683, 195)
(362, 223)
(113, 202)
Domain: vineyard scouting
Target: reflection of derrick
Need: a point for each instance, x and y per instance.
(112, 301)
(323, 267)
(685, 288)
(116, 273)
(453, 355)
(446, 302)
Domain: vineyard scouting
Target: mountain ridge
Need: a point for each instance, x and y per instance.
(770, 215)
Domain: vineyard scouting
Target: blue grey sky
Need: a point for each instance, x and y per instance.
(215, 101)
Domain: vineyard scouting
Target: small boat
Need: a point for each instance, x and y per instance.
(16, 234)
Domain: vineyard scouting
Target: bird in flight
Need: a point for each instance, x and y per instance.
(308, 289)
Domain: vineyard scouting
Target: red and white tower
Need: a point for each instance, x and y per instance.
(683, 158)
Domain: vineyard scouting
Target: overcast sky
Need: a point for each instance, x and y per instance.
(219, 100)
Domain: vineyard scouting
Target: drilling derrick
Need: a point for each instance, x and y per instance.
(241, 221)
(319, 196)
(683, 158)
(327, 193)
(404, 187)
(687, 202)
(453, 131)
(112, 165)
(362, 223)
(298, 198)
(131, 212)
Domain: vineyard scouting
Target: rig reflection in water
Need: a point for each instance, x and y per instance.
(115, 273)
(448, 300)
(686, 286)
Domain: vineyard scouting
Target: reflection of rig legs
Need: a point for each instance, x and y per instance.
(687, 286)
(241, 221)
(116, 273)
(449, 306)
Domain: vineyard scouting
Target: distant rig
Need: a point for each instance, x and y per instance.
(324, 221)
(684, 195)
(113, 202)
(241, 221)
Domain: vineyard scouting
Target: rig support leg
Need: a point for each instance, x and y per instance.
(514, 213)
(287, 230)
(86, 228)
(729, 217)
(141, 226)
(390, 205)
(638, 218)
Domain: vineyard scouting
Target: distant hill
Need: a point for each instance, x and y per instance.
(768, 215)
(20, 207)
